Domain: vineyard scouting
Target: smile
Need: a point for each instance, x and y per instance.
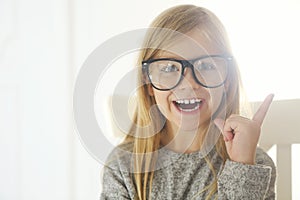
(188, 105)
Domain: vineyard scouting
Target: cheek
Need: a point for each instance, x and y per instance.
(161, 98)
(216, 95)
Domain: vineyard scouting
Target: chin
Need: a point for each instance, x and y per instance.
(190, 127)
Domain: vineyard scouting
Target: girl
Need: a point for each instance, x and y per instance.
(192, 87)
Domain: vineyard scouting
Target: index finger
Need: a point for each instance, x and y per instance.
(260, 114)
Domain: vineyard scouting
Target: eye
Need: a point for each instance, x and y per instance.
(205, 66)
(169, 68)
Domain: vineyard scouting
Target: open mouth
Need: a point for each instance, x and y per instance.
(188, 105)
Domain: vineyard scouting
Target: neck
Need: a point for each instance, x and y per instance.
(182, 141)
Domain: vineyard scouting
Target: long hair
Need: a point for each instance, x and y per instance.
(182, 19)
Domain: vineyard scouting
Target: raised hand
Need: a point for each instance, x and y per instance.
(241, 134)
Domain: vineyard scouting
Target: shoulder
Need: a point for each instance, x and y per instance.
(120, 157)
(262, 158)
(117, 179)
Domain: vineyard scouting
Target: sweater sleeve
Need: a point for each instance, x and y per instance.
(241, 181)
(113, 186)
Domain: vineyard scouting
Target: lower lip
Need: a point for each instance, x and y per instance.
(193, 112)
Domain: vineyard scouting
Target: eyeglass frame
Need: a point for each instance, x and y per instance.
(186, 64)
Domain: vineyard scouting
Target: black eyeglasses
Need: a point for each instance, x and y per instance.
(210, 71)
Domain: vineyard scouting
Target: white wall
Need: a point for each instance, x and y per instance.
(43, 45)
(39, 149)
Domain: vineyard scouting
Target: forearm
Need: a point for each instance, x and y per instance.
(240, 181)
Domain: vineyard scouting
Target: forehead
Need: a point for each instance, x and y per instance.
(191, 45)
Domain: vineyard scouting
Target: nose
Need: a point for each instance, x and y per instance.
(188, 80)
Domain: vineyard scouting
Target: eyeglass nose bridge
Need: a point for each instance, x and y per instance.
(187, 64)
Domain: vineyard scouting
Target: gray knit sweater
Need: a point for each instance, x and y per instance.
(183, 176)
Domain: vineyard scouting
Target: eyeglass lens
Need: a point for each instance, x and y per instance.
(209, 72)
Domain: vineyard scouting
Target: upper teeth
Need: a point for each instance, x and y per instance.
(188, 101)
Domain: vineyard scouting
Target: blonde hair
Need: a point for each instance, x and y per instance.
(182, 19)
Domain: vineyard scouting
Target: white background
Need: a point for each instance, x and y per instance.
(44, 43)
